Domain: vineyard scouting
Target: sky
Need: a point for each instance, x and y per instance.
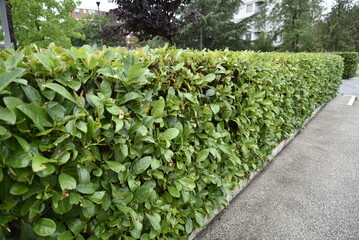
(105, 5)
(91, 4)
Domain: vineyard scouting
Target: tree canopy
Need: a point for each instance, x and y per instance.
(215, 19)
(293, 23)
(147, 18)
(339, 30)
(91, 34)
(44, 21)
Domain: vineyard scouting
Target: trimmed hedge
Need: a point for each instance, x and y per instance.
(115, 144)
(351, 61)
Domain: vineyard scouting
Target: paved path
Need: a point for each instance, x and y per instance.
(350, 87)
(310, 191)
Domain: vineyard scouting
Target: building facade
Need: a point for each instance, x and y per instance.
(249, 8)
(80, 12)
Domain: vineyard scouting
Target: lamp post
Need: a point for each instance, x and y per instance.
(99, 19)
(5, 25)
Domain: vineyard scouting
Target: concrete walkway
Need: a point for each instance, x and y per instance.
(350, 87)
(310, 191)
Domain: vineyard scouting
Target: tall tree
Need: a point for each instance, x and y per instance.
(44, 21)
(293, 23)
(91, 34)
(211, 22)
(147, 18)
(339, 30)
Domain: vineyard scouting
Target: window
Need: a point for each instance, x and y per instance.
(249, 8)
(259, 6)
(77, 13)
(248, 36)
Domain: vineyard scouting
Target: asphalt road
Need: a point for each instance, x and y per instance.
(310, 191)
(350, 87)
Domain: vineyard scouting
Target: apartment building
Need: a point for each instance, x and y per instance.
(249, 8)
(80, 12)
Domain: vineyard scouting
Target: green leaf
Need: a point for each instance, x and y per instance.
(19, 189)
(8, 77)
(23, 143)
(38, 163)
(135, 71)
(215, 108)
(141, 165)
(7, 116)
(44, 227)
(106, 89)
(19, 159)
(44, 60)
(173, 191)
(86, 188)
(114, 110)
(60, 90)
(75, 225)
(67, 235)
(189, 226)
(32, 94)
(129, 97)
(190, 97)
(202, 155)
(1, 175)
(142, 194)
(66, 181)
(26, 231)
(158, 108)
(170, 133)
(209, 78)
(82, 126)
(188, 183)
(199, 218)
(116, 166)
(37, 114)
(97, 197)
(155, 220)
(4, 133)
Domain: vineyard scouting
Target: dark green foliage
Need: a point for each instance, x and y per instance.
(351, 61)
(91, 34)
(339, 29)
(215, 19)
(125, 145)
(293, 24)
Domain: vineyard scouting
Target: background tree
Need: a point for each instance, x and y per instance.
(339, 30)
(44, 21)
(215, 19)
(91, 34)
(147, 18)
(293, 24)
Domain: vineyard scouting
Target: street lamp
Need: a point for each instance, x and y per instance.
(5, 24)
(99, 19)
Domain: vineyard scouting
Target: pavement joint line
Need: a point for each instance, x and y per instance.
(351, 101)
(275, 152)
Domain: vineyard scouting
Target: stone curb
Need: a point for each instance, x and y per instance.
(275, 152)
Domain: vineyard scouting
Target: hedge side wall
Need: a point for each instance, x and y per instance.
(351, 61)
(116, 144)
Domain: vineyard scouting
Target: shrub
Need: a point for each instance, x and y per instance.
(116, 144)
(351, 60)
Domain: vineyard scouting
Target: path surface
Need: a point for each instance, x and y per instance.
(310, 191)
(350, 87)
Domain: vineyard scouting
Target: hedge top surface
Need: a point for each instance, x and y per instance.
(142, 144)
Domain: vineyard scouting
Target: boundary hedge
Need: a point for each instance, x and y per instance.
(351, 61)
(117, 144)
